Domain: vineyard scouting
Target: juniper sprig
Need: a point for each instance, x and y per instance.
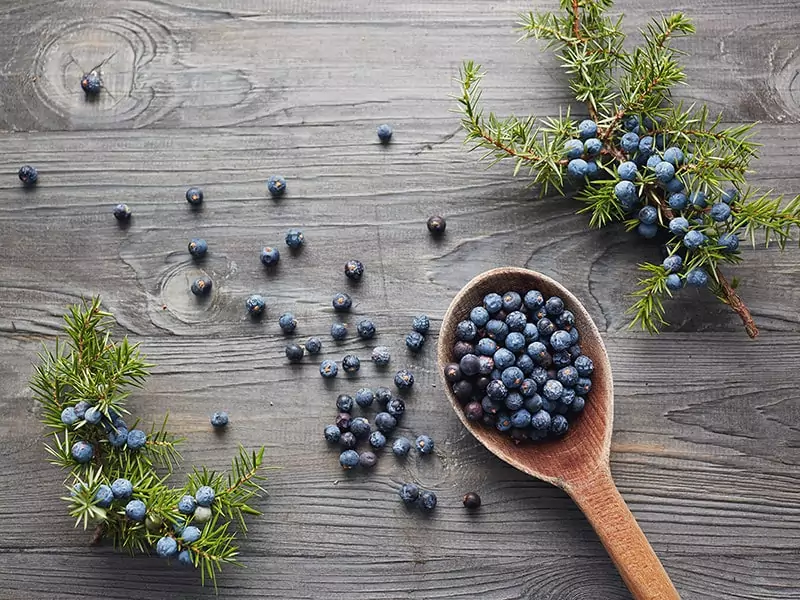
(83, 385)
(658, 166)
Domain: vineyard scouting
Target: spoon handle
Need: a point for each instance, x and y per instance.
(604, 507)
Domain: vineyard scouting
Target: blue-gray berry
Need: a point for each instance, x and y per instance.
(625, 191)
(201, 286)
(82, 452)
(415, 341)
(103, 497)
(730, 195)
(136, 510)
(338, 331)
(377, 439)
(384, 422)
(313, 345)
(427, 501)
(366, 329)
(255, 305)
(540, 420)
(587, 129)
(697, 278)
(408, 492)
(647, 231)
(295, 239)
(276, 185)
(167, 547)
(270, 256)
(628, 170)
(720, 212)
(665, 171)
(185, 558)
(122, 489)
(194, 196)
(287, 322)
(341, 302)
(384, 132)
(136, 439)
(673, 282)
(673, 263)
(360, 427)
(693, 239)
(187, 504)
(648, 214)
(404, 379)
(552, 390)
(328, 369)
(204, 495)
(381, 355)
(592, 147)
(28, 175)
(354, 269)
(219, 419)
(118, 438)
(674, 185)
(673, 155)
(348, 459)
(573, 149)
(191, 534)
(559, 425)
(198, 247)
(401, 446)
(91, 83)
(729, 242)
(629, 142)
(421, 324)
(678, 201)
(678, 226)
(294, 353)
(122, 212)
(424, 444)
(68, 416)
(577, 168)
(351, 363)
(698, 199)
(332, 434)
(646, 145)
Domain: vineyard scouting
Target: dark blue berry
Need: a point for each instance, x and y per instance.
(404, 379)
(255, 305)
(521, 418)
(313, 345)
(648, 215)
(463, 390)
(720, 212)
(629, 142)
(587, 129)
(673, 282)
(730, 195)
(348, 459)
(568, 376)
(698, 199)
(514, 401)
(496, 390)
(351, 363)
(276, 185)
(198, 247)
(466, 331)
(424, 444)
(503, 422)
(516, 321)
(396, 407)
(220, 419)
(409, 493)
(693, 239)
(344, 403)
(365, 397)
(493, 303)
(437, 224)
(338, 331)
(729, 242)
(194, 196)
(383, 395)
(573, 149)
(479, 316)
(452, 372)
(697, 278)
(531, 333)
(384, 132)
(201, 286)
(490, 406)
(673, 263)
(294, 353)
(568, 396)
(470, 365)
(354, 269)
(401, 446)
(385, 422)
(583, 386)
(511, 301)
(678, 201)
(515, 341)
(560, 340)
(647, 231)
(546, 327)
(512, 377)
(540, 420)
(628, 170)
(348, 441)
(528, 387)
(584, 366)
(552, 390)
(427, 501)
(533, 300)
(578, 168)
(287, 322)
(295, 238)
(332, 434)
(538, 352)
(504, 358)
(360, 427)
(270, 256)
(559, 425)
(341, 302)
(122, 212)
(525, 364)
(592, 147)
(328, 369)
(497, 330)
(91, 83)
(533, 403)
(577, 404)
(486, 347)
(421, 324)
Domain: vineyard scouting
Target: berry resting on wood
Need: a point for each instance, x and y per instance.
(119, 474)
(671, 172)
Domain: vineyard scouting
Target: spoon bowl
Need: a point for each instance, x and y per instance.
(578, 462)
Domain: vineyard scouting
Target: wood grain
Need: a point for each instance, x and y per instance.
(223, 93)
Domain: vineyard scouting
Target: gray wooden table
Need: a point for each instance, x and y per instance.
(223, 93)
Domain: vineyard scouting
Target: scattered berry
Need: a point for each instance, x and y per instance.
(219, 419)
(377, 439)
(255, 305)
(201, 286)
(328, 369)
(91, 84)
(349, 459)
(313, 345)
(424, 444)
(385, 422)
(427, 501)
(471, 500)
(295, 238)
(367, 459)
(348, 441)
(122, 212)
(332, 434)
(270, 256)
(365, 397)
(384, 132)
(276, 185)
(354, 269)
(198, 247)
(351, 363)
(360, 427)
(409, 493)
(401, 446)
(437, 225)
(421, 324)
(366, 329)
(287, 323)
(341, 302)
(381, 355)
(344, 403)
(194, 196)
(338, 331)
(415, 341)
(396, 407)
(294, 353)
(404, 379)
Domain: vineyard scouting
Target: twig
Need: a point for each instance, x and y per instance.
(97, 536)
(736, 303)
(576, 20)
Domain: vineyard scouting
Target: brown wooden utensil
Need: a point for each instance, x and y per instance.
(578, 463)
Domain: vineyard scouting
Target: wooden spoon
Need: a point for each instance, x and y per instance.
(578, 463)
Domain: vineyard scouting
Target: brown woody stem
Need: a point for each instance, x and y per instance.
(736, 303)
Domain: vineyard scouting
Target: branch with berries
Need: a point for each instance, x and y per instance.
(671, 172)
(118, 482)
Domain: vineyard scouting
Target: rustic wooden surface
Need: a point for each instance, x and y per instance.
(222, 93)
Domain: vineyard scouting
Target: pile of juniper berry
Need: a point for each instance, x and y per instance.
(518, 366)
